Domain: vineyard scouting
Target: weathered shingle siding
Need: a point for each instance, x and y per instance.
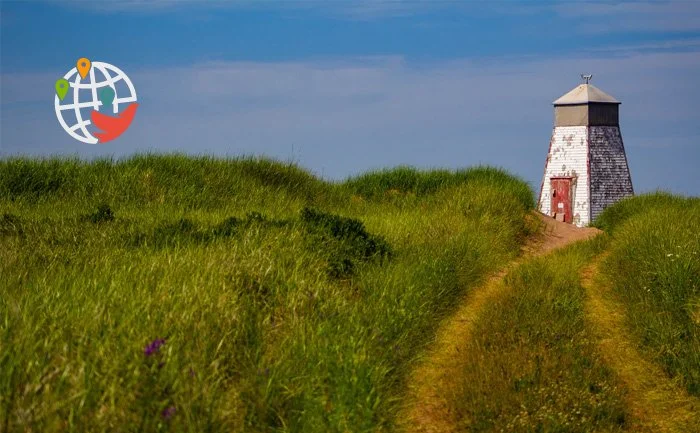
(568, 156)
(610, 177)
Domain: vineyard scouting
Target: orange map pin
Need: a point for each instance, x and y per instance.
(83, 66)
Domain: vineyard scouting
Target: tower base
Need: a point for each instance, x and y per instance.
(585, 172)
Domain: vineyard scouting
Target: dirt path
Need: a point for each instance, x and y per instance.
(660, 404)
(427, 407)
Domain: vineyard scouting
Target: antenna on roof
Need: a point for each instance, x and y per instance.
(587, 78)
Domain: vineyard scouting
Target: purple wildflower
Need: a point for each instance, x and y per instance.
(153, 347)
(168, 413)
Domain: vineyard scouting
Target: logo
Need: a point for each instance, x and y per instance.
(95, 102)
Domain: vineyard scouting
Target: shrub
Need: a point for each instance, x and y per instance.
(102, 214)
(345, 239)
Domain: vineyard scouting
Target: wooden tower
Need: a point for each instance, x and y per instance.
(586, 168)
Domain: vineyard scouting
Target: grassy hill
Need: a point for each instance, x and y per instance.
(172, 293)
(654, 268)
(197, 294)
(537, 361)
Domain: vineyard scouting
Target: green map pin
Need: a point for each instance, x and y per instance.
(62, 87)
(107, 96)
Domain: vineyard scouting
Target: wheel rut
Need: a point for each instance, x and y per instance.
(659, 403)
(431, 384)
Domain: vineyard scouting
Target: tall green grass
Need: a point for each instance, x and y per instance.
(654, 267)
(199, 294)
(614, 216)
(533, 365)
(409, 180)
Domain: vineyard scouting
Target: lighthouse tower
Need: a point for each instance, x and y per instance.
(586, 168)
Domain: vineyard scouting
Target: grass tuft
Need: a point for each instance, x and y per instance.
(10, 225)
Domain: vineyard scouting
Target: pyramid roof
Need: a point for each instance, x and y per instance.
(585, 93)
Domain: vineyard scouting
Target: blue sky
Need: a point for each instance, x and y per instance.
(345, 86)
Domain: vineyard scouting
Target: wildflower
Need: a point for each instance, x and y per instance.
(669, 254)
(168, 413)
(154, 346)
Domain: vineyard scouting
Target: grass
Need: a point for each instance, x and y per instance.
(533, 365)
(614, 216)
(654, 268)
(171, 293)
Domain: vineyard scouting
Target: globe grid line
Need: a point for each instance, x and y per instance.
(121, 75)
(80, 125)
(76, 86)
(99, 103)
(93, 87)
(110, 83)
(101, 83)
(79, 117)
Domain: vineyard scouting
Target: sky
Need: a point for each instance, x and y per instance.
(345, 86)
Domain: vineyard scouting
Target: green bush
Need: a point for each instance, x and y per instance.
(102, 214)
(346, 240)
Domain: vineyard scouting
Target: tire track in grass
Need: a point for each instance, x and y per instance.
(430, 385)
(658, 402)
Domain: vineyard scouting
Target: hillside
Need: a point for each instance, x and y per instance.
(197, 294)
(599, 336)
(173, 293)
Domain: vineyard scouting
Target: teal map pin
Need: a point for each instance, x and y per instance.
(62, 88)
(107, 96)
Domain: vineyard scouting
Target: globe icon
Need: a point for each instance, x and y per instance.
(74, 109)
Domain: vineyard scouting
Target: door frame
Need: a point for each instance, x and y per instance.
(567, 212)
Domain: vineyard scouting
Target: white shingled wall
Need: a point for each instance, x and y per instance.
(568, 156)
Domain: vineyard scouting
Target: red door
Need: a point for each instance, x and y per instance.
(561, 199)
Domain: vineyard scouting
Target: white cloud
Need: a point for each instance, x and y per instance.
(344, 116)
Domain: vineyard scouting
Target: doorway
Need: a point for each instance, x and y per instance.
(561, 198)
